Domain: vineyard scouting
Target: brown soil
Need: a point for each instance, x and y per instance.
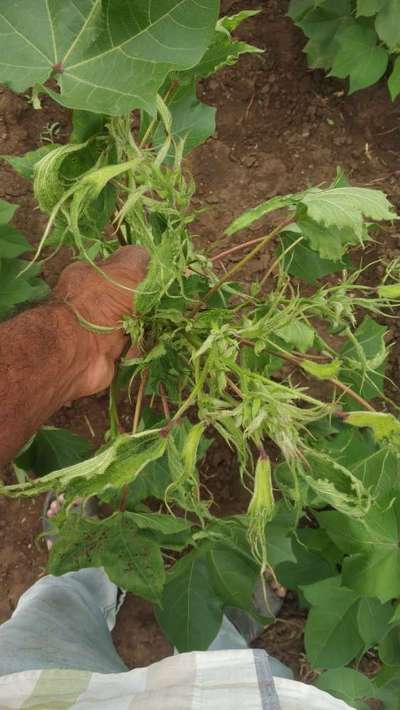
(280, 128)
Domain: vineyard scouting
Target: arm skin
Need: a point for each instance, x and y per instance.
(47, 358)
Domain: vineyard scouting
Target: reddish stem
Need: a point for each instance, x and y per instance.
(164, 401)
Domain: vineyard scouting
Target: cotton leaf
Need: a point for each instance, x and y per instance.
(394, 80)
(256, 213)
(322, 371)
(298, 334)
(385, 427)
(346, 207)
(387, 24)
(359, 56)
(391, 291)
(109, 56)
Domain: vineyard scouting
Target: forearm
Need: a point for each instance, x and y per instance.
(38, 366)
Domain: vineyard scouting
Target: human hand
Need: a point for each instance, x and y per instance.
(101, 302)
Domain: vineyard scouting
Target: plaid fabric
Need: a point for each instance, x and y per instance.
(224, 680)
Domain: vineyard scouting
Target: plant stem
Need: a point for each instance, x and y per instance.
(164, 401)
(351, 393)
(139, 400)
(136, 417)
(345, 388)
(296, 360)
(279, 259)
(261, 243)
(237, 247)
(154, 122)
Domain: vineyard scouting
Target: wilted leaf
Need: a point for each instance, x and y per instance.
(24, 164)
(298, 334)
(322, 371)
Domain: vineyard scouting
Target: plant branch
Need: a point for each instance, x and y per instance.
(164, 401)
(237, 247)
(351, 393)
(296, 360)
(261, 243)
(139, 400)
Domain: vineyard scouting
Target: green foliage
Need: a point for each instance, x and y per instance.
(220, 358)
(348, 685)
(354, 39)
(107, 57)
(51, 449)
(16, 284)
(131, 558)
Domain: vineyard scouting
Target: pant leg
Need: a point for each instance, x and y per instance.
(229, 638)
(63, 622)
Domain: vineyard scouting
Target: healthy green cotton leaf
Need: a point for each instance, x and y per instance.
(12, 242)
(331, 635)
(346, 207)
(373, 619)
(85, 125)
(330, 243)
(364, 359)
(359, 57)
(233, 576)
(320, 25)
(307, 264)
(223, 50)
(256, 213)
(387, 685)
(7, 211)
(17, 287)
(52, 449)
(297, 8)
(191, 612)
(373, 567)
(108, 57)
(395, 618)
(322, 371)
(389, 648)
(159, 522)
(298, 334)
(24, 164)
(368, 8)
(131, 560)
(380, 472)
(309, 567)
(387, 24)
(394, 80)
(347, 684)
(375, 574)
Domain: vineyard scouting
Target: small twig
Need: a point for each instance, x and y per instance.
(164, 401)
(89, 426)
(136, 417)
(262, 242)
(277, 261)
(237, 247)
(351, 393)
(296, 360)
(139, 400)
